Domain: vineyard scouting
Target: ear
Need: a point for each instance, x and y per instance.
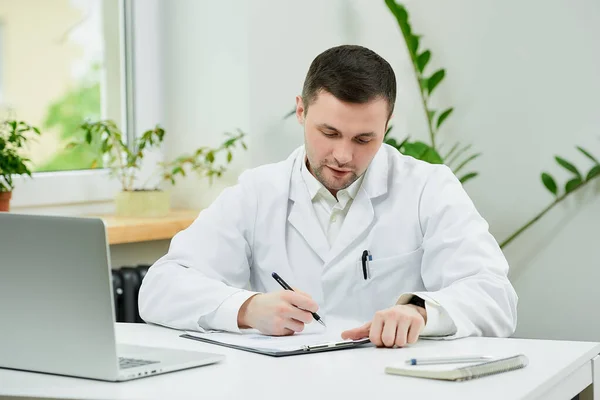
(300, 110)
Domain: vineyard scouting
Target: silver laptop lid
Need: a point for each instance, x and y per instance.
(56, 302)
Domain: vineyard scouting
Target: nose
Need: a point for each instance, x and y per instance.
(342, 153)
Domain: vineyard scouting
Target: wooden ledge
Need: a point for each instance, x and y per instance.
(131, 230)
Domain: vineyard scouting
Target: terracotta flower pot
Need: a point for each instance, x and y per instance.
(5, 201)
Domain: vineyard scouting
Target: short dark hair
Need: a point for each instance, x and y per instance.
(352, 74)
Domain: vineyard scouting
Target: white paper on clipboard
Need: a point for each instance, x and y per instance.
(314, 337)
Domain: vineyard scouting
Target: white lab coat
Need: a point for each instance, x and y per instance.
(423, 232)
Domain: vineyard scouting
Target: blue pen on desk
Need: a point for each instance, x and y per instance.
(288, 287)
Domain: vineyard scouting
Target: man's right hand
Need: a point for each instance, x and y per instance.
(277, 313)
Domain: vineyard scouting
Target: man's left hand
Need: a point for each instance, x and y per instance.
(394, 326)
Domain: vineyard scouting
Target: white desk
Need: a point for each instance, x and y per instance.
(557, 370)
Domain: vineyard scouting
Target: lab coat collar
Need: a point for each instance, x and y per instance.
(376, 177)
(360, 216)
(302, 214)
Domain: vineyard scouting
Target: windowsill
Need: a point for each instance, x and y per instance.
(132, 230)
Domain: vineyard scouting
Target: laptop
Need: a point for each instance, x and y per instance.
(57, 308)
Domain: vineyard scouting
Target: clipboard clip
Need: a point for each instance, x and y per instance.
(338, 345)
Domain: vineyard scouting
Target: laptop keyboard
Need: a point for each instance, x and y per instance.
(125, 363)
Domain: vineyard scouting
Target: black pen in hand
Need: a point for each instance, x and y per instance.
(288, 287)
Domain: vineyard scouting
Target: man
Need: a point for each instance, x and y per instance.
(366, 233)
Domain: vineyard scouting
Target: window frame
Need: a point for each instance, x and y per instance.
(87, 186)
(1, 66)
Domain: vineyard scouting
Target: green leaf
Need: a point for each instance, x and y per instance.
(423, 82)
(588, 155)
(244, 146)
(413, 46)
(290, 113)
(422, 151)
(178, 170)
(468, 160)
(434, 80)
(458, 154)
(431, 114)
(594, 172)
(550, 183)
(452, 150)
(229, 156)
(468, 176)
(401, 14)
(422, 60)
(392, 142)
(210, 157)
(572, 184)
(403, 142)
(387, 131)
(567, 165)
(443, 117)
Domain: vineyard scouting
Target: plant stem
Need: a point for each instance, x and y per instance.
(123, 174)
(422, 93)
(542, 213)
(429, 126)
(152, 175)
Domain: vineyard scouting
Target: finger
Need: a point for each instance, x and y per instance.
(284, 332)
(294, 325)
(414, 331)
(402, 332)
(301, 301)
(279, 328)
(300, 315)
(388, 335)
(357, 333)
(376, 329)
(302, 292)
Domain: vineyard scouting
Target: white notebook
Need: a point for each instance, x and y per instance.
(462, 373)
(314, 338)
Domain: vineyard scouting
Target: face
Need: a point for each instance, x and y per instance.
(341, 138)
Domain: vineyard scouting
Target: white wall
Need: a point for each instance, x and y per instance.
(206, 84)
(523, 76)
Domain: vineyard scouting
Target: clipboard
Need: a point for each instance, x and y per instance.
(304, 349)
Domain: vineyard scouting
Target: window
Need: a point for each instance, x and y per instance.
(62, 62)
(1, 54)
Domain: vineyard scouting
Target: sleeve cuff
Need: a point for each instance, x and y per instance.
(224, 318)
(438, 323)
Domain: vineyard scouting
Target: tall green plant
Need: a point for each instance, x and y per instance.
(459, 156)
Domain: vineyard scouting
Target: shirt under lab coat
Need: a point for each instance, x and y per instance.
(423, 231)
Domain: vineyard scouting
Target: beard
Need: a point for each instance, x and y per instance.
(328, 178)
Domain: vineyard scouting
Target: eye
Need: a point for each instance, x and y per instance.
(362, 141)
(329, 135)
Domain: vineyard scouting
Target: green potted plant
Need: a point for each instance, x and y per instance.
(12, 163)
(148, 200)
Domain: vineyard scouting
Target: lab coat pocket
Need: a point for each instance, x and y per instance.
(388, 278)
